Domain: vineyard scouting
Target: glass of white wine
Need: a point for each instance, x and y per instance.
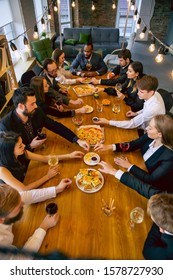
(53, 160)
(116, 108)
(136, 216)
(118, 87)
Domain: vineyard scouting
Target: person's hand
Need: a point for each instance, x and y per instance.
(102, 147)
(49, 221)
(120, 94)
(76, 154)
(123, 162)
(83, 144)
(82, 110)
(130, 114)
(78, 101)
(94, 81)
(80, 80)
(53, 171)
(59, 107)
(91, 74)
(64, 91)
(101, 121)
(64, 183)
(36, 142)
(107, 168)
(110, 75)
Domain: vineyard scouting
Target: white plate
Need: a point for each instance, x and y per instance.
(93, 134)
(94, 189)
(90, 109)
(88, 159)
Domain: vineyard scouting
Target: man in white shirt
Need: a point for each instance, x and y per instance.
(153, 105)
(11, 210)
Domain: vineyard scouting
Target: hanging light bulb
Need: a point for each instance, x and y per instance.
(159, 57)
(172, 73)
(132, 5)
(142, 34)
(13, 46)
(73, 4)
(113, 5)
(35, 35)
(49, 14)
(135, 14)
(138, 23)
(43, 23)
(25, 40)
(93, 6)
(55, 8)
(152, 46)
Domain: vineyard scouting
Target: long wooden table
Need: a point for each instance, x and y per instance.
(84, 231)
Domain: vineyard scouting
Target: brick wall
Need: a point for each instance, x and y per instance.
(103, 15)
(161, 18)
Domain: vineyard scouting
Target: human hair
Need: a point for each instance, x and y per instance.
(164, 124)
(137, 67)
(20, 95)
(160, 208)
(9, 199)
(46, 62)
(8, 141)
(125, 53)
(37, 85)
(148, 83)
(89, 44)
(56, 54)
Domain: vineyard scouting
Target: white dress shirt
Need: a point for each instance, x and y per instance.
(152, 107)
(34, 242)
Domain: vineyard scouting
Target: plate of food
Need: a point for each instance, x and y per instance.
(91, 158)
(84, 90)
(89, 109)
(86, 81)
(93, 134)
(89, 180)
(106, 102)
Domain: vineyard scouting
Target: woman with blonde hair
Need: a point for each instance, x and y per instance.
(156, 147)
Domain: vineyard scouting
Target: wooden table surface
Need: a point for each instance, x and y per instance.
(84, 231)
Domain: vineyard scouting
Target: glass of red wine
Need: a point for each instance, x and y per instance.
(51, 208)
(40, 134)
(124, 146)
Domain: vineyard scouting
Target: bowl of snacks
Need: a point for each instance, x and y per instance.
(77, 120)
(106, 102)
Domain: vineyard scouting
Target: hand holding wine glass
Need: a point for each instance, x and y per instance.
(51, 207)
(89, 66)
(124, 146)
(118, 87)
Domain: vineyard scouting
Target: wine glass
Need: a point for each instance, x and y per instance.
(41, 134)
(136, 216)
(118, 87)
(53, 160)
(124, 146)
(51, 207)
(116, 108)
(88, 65)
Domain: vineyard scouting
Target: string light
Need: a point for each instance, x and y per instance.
(113, 5)
(73, 4)
(135, 14)
(142, 34)
(138, 23)
(93, 6)
(13, 46)
(172, 73)
(132, 5)
(55, 8)
(35, 35)
(152, 46)
(49, 14)
(43, 23)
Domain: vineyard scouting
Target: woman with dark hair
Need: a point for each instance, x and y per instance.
(14, 160)
(41, 87)
(129, 90)
(63, 76)
(157, 150)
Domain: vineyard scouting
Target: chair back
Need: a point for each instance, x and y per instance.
(167, 98)
(26, 77)
(42, 49)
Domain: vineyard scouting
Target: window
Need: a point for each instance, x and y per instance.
(65, 14)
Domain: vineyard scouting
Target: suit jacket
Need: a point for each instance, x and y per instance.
(11, 122)
(159, 165)
(96, 61)
(158, 246)
(53, 92)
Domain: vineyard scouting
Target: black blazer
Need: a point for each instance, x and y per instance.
(11, 122)
(159, 165)
(158, 246)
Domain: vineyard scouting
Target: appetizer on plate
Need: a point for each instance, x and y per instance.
(91, 158)
(89, 180)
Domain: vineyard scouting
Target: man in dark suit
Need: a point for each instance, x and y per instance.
(88, 63)
(55, 92)
(27, 118)
(159, 242)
